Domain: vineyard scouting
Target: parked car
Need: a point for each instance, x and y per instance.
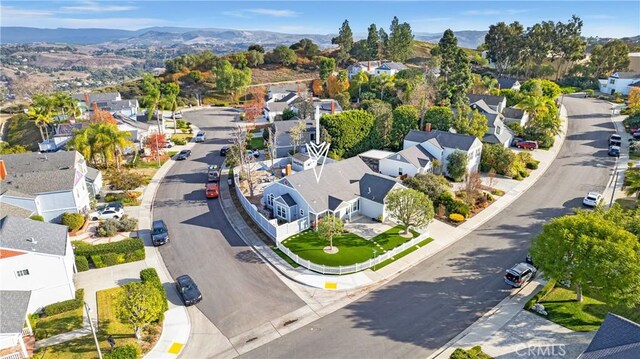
(200, 136)
(212, 190)
(615, 140)
(519, 274)
(614, 151)
(178, 114)
(112, 205)
(159, 233)
(223, 150)
(107, 213)
(592, 199)
(169, 144)
(515, 141)
(256, 153)
(183, 155)
(213, 174)
(527, 145)
(188, 290)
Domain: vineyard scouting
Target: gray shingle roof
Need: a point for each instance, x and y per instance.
(301, 157)
(288, 88)
(416, 155)
(288, 200)
(628, 75)
(617, 338)
(334, 203)
(635, 84)
(277, 106)
(92, 174)
(492, 101)
(512, 112)
(442, 138)
(11, 210)
(13, 316)
(34, 173)
(282, 128)
(48, 238)
(482, 106)
(375, 187)
(506, 82)
(289, 97)
(66, 129)
(140, 122)
(98, 97)
(393, 66)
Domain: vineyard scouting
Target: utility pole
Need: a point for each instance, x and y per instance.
(95, 337)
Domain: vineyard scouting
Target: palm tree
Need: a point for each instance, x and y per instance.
(81, 143)
(152, 97)
(66, 104)
(632, 183)
(41, 111)
(534, 105)
(109, 141)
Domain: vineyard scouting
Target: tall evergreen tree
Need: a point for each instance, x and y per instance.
(384, 41)
(344, 40)
(455, 71)
(400, 37)
(373, 42)
(504, 43)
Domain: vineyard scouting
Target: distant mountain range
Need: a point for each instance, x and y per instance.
(168, 36)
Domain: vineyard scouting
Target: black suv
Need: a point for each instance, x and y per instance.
(223, 151)
(519, 274)
(188, 290)
(159, 233)
(183, 155)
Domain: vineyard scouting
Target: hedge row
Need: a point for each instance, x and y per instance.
(67, 305)
(82, 264)
(150, 276)
(129, 351)
(111, 258)
(541, 294)
(123, 246)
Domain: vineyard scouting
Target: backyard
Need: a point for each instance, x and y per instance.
(352, 248)
(563, 309)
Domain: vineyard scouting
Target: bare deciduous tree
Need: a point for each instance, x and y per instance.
(472, 187)
(244, 160)
(296, 133)
(271, 143)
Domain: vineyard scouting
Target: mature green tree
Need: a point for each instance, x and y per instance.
(238, 60)
(254, 58)
(285, 56)
(359, 83)
(504, 44)
(230, 80)
(470, 122)
(326, 65)
(409, 207)
(152, 97)
(7, 149)
(305, 47)
(593, 253)
(632, 183)
(351, 132)
(568, 43)
(440, 117)
(101, 140)
(297, 134)
(384, 41)
(457, 165)
(455, 71)
(629, 219)
(256, 47)
(139, 304)
(430, 184)
(288, 114)
(613, 56)
(344, 40)
(344, 99)
(373, 43)
(41, 111)
(540, 87)
(360, 50)
(539, 41)
(405, 119)
(498, 158)
(384, 119)
(330, 227)
(65, 104)
(400, 39)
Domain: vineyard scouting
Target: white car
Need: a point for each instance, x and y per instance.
(107, 213)
(592, 199)
(200, 136)
(169, 144)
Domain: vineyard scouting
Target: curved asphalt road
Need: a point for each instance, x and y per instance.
(423, 309)
(240, 292)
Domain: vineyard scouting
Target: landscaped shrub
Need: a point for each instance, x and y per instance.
(134, 256)
(129, 351)
(109, 259)
(65, 306)
(125, 180)
(459, 207)
(123, 246)
(37, 217)
(127, 224)
(179, 140)
(497, 157)
(497, 192)
(82, 264)
(541, 294)
(456, 217)
(473, 353)
(73, 220)
(108, 228)
(97, 261)
(129, 198)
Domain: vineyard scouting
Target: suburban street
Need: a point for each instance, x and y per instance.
(240, 292)
(421, 310)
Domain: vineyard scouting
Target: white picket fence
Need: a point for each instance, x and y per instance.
(16, 355)
(354, 267)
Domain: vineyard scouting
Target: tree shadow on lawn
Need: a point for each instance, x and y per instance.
(392, 238)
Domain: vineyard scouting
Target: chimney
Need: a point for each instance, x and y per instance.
(3, 171)
(316, 117)
(333, 106)
(288, 170)
(86, 99)
(427, 127)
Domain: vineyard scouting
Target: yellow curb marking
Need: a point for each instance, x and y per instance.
(330, 285)
(175, 348)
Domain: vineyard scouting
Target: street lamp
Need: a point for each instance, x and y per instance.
(95, 337)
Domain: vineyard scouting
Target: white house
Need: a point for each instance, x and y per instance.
(46, 184)
(619, 82)
(13, 317)
(440, 145)
(108, 101)
(38, 257)
(512, 114)
(373, 157)
(367, 66)
(492, 107)
(94, 181)
(276, 105)
(389, 68)
(62, 134)
(346, 188)
(408, 162)
(302, 162)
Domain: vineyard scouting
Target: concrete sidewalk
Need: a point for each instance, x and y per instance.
(614, 187)
(443, 234)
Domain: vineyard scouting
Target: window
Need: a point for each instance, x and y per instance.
(22, 273)
(302, 213)
(313, 137)
(281, 212)
(270, 199)
(498, 130)
(400, 171)
(355, 206)
(612, 82)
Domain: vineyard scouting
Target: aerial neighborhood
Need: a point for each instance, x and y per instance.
(220, 205)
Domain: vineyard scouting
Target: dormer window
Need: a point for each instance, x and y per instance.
(498, 130)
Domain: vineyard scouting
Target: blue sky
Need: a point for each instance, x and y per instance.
(601, 18)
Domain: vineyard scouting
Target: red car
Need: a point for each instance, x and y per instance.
(527, 145)
(211, 190)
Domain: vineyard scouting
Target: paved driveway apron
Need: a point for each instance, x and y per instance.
(240, 291)
(423, 309)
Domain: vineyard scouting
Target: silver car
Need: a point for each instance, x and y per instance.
(200, 136)
(519, 274)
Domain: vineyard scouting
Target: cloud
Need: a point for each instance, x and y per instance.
(246, 13)
(491, 12)
(89, 6)
(12, 12)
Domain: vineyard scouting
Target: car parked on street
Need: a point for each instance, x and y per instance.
(107, 213)
(159, 233)
(519, 274)
(188, 290)
(223, 150)
(183, 155)
(169, 144)
(527, 145)
(213, 174)
(515, 141)
(200, 136)
(212, 190)
(592, 199)
(614, 151)
(615, 140)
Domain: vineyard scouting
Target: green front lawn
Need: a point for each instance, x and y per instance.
(47, 327)
(352, 249)
(257, 143)
(392, 238)
(404, 253)
(587, 316)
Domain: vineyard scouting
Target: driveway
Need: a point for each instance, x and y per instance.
(240, 291)
(422, 309)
